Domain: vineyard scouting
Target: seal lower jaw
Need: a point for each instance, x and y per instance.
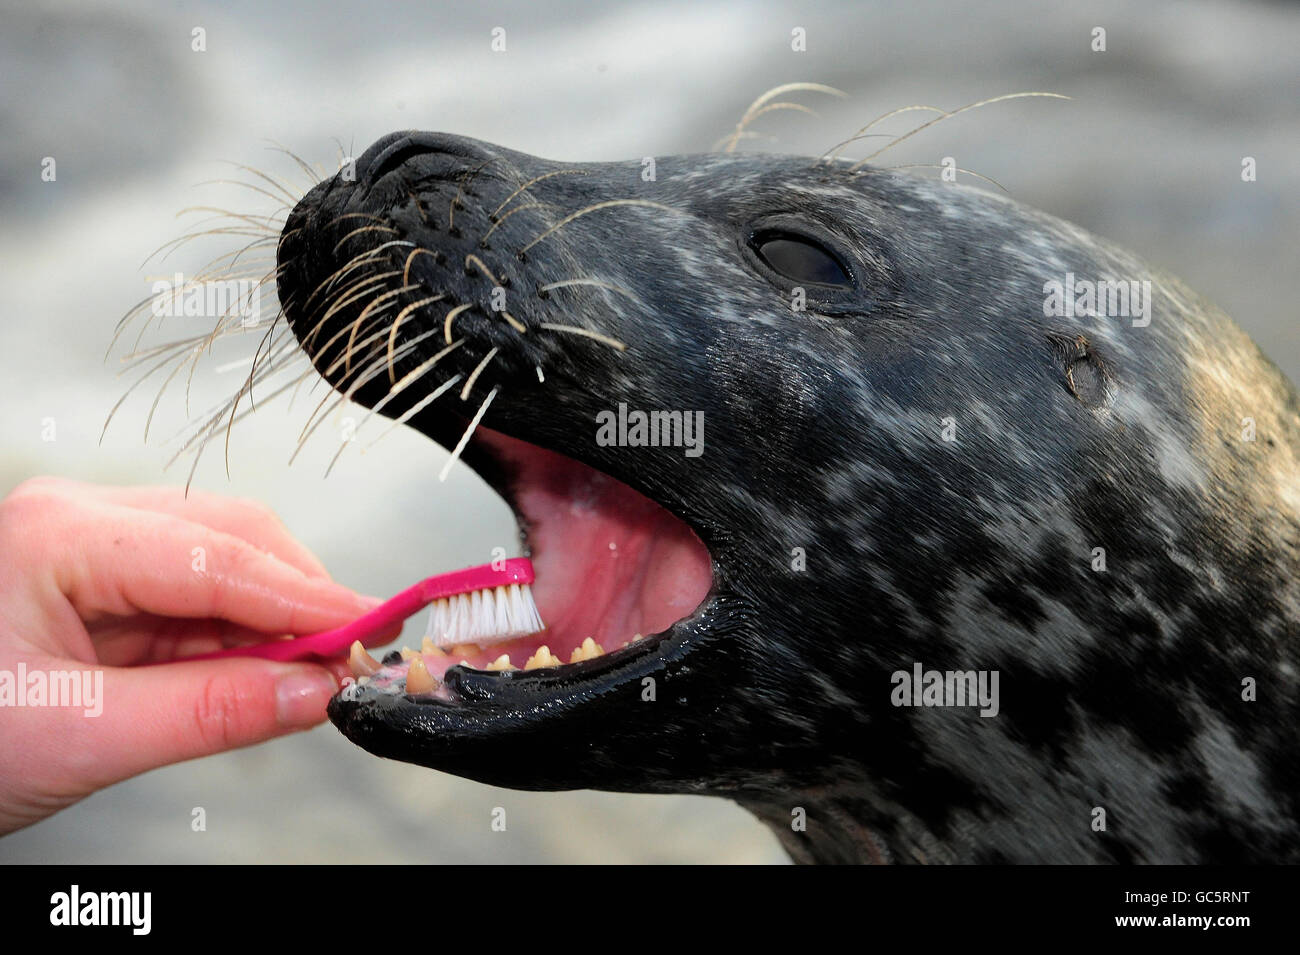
(621, 582)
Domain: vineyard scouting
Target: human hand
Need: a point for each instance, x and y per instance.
(96, 580)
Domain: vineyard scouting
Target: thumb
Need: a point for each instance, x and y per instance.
(157, 715)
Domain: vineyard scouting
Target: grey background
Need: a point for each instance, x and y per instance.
(1147, 153)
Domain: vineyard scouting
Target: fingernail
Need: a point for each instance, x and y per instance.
(369, 602)
(300, 696)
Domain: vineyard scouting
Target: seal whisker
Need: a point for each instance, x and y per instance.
(478, 370)
(253, 376)
(451, 317)
(267, 178)
(534, 181)
(312, 176)
(134, 358)
(218, 412)
(473, 259)
(419, 250)
(328, 283)
(369, 216)
(397, 323)
(956, 112)
(412, 411)
(370, 371)
(514, 323)
(358, 290)
(374, 303)
(464, 438)
(221, 327)
(770, 107)
(113, 411)
(595, 206)
(416, 373)
(595, 283)
(406, 381)
(364, 228)
(754, 107)
(315, 419)
(174, 244)
(586, 333)
(239, 253)
(520, 208)
(935, 165)
(260, 222)
(246, 387)
(308, 427)
(224, 264)
(862, 133)
(722, 141)
(378, 367)
(280, 203)
(302, 440)
(357, 261)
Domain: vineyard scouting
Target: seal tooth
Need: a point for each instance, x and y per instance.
(361, 662)
(431, 648)
(542, 658)
(589, 650)
(466, 649)
(418, 677)
(502, 663)
(408, 654)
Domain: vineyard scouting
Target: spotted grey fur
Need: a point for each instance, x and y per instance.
(1121, 690)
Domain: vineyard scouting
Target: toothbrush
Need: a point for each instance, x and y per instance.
(475, 603)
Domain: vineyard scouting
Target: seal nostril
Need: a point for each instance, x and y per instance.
(394, 156)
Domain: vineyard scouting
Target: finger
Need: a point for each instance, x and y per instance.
(242, 517)
(155, 716)
(128, 561)
(148, 639)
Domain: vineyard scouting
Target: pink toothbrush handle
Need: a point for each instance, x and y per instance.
(372, 627)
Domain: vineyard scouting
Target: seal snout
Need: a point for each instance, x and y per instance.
(393, 153)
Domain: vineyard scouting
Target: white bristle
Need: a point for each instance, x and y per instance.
(484, 616)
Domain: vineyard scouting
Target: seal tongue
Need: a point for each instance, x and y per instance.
(611, 563)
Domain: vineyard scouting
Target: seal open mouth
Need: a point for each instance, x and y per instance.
(613, 568)
(434, 268)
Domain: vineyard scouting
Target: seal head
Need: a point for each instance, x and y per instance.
(909, 463)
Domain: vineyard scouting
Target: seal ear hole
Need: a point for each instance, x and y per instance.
(1087, 376)
(799, 258)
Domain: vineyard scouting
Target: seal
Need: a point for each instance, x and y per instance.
(979, 559)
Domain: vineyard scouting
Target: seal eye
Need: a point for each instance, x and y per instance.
(800, 259)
